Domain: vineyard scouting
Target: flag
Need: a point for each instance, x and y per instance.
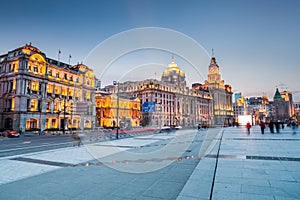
(59, 52)
(70, 56)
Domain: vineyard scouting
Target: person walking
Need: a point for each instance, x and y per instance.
(248, 126)
(277, 127)
(294, 125)
(271, 126)
(76, 139)
(262, 127)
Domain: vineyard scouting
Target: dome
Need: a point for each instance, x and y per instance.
(173, 69)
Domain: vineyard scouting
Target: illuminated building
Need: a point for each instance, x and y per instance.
(107, 108)
(175, 103)
(39, 93)
(221, 94)
(283, 105)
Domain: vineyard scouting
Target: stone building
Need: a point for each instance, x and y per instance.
(112, 110)
(175, 104)
(221, 95)
(283, 105)
(38, 93)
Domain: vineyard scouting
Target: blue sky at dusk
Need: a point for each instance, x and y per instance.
(256, 42)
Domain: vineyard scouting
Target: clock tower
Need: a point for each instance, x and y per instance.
(213, 72)
(221, 95)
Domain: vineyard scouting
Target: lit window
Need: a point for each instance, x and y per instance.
(57, 90)
(49, 88)
(56, 106)
(64, 91)
(34, 104)
(35, 85)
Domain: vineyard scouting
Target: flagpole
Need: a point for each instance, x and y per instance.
(58, 56)
(70, 59)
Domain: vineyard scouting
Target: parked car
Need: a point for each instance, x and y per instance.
(10, 133)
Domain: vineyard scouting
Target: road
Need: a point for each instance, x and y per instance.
(30, 144)
(106, 179)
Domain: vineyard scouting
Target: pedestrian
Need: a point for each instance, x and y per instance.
(271, 126)
(294, 126)
(262, 127)
(76, 139)
(248, 126)
(277, 127)
(199, 127)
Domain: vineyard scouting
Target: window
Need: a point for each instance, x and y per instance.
(31, 123)
(50, 72)
(35, 86)
(65, 76)
(64, 91)
(35, 69)
(57, 75)
(48, 106)
(57, 89)
(49, 88)
(56, 103)
(34, 104)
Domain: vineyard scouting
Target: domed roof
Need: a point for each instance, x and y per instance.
(173, 68)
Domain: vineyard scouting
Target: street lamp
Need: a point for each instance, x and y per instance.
(118, 101)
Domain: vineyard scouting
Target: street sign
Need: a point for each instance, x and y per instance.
(148, 107)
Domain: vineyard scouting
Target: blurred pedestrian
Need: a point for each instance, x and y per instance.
(277, 127)
(76, 141)
(294, 126)
(248, 126)
(271, 126)
(262, 127)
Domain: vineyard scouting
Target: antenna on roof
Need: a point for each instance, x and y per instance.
(212, 52)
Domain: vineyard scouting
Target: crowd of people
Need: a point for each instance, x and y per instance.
(274, 126)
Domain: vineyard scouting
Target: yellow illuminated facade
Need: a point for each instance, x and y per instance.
(221, 94)
(39, 93)
(107, 108)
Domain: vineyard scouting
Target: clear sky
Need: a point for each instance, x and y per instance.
(256, 42)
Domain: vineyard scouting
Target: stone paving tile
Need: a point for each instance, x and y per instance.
(162, 188)
(15, 170)
(257, 190)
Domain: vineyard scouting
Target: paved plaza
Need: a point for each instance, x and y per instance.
(238, 166)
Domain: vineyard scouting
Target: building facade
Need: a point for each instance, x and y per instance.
(221, 95)
(283, 106)
(40, 93)
(113, 110)
(175, 104)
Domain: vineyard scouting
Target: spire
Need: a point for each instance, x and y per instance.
(172, 61)
(277, 94)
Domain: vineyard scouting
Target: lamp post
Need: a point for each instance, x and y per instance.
(118, 101)
(64, 124)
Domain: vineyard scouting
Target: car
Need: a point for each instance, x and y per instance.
(10, 133)
(178, 127)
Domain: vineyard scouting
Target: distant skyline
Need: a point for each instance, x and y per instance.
(255, 42)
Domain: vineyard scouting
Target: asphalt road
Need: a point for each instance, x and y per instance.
(30, 144)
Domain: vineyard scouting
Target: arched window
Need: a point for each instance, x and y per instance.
(31, 123)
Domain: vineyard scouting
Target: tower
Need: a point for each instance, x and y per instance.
(174, 75)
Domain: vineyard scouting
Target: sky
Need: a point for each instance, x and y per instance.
(256, 42)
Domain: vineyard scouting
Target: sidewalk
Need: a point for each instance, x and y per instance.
(251, 166)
